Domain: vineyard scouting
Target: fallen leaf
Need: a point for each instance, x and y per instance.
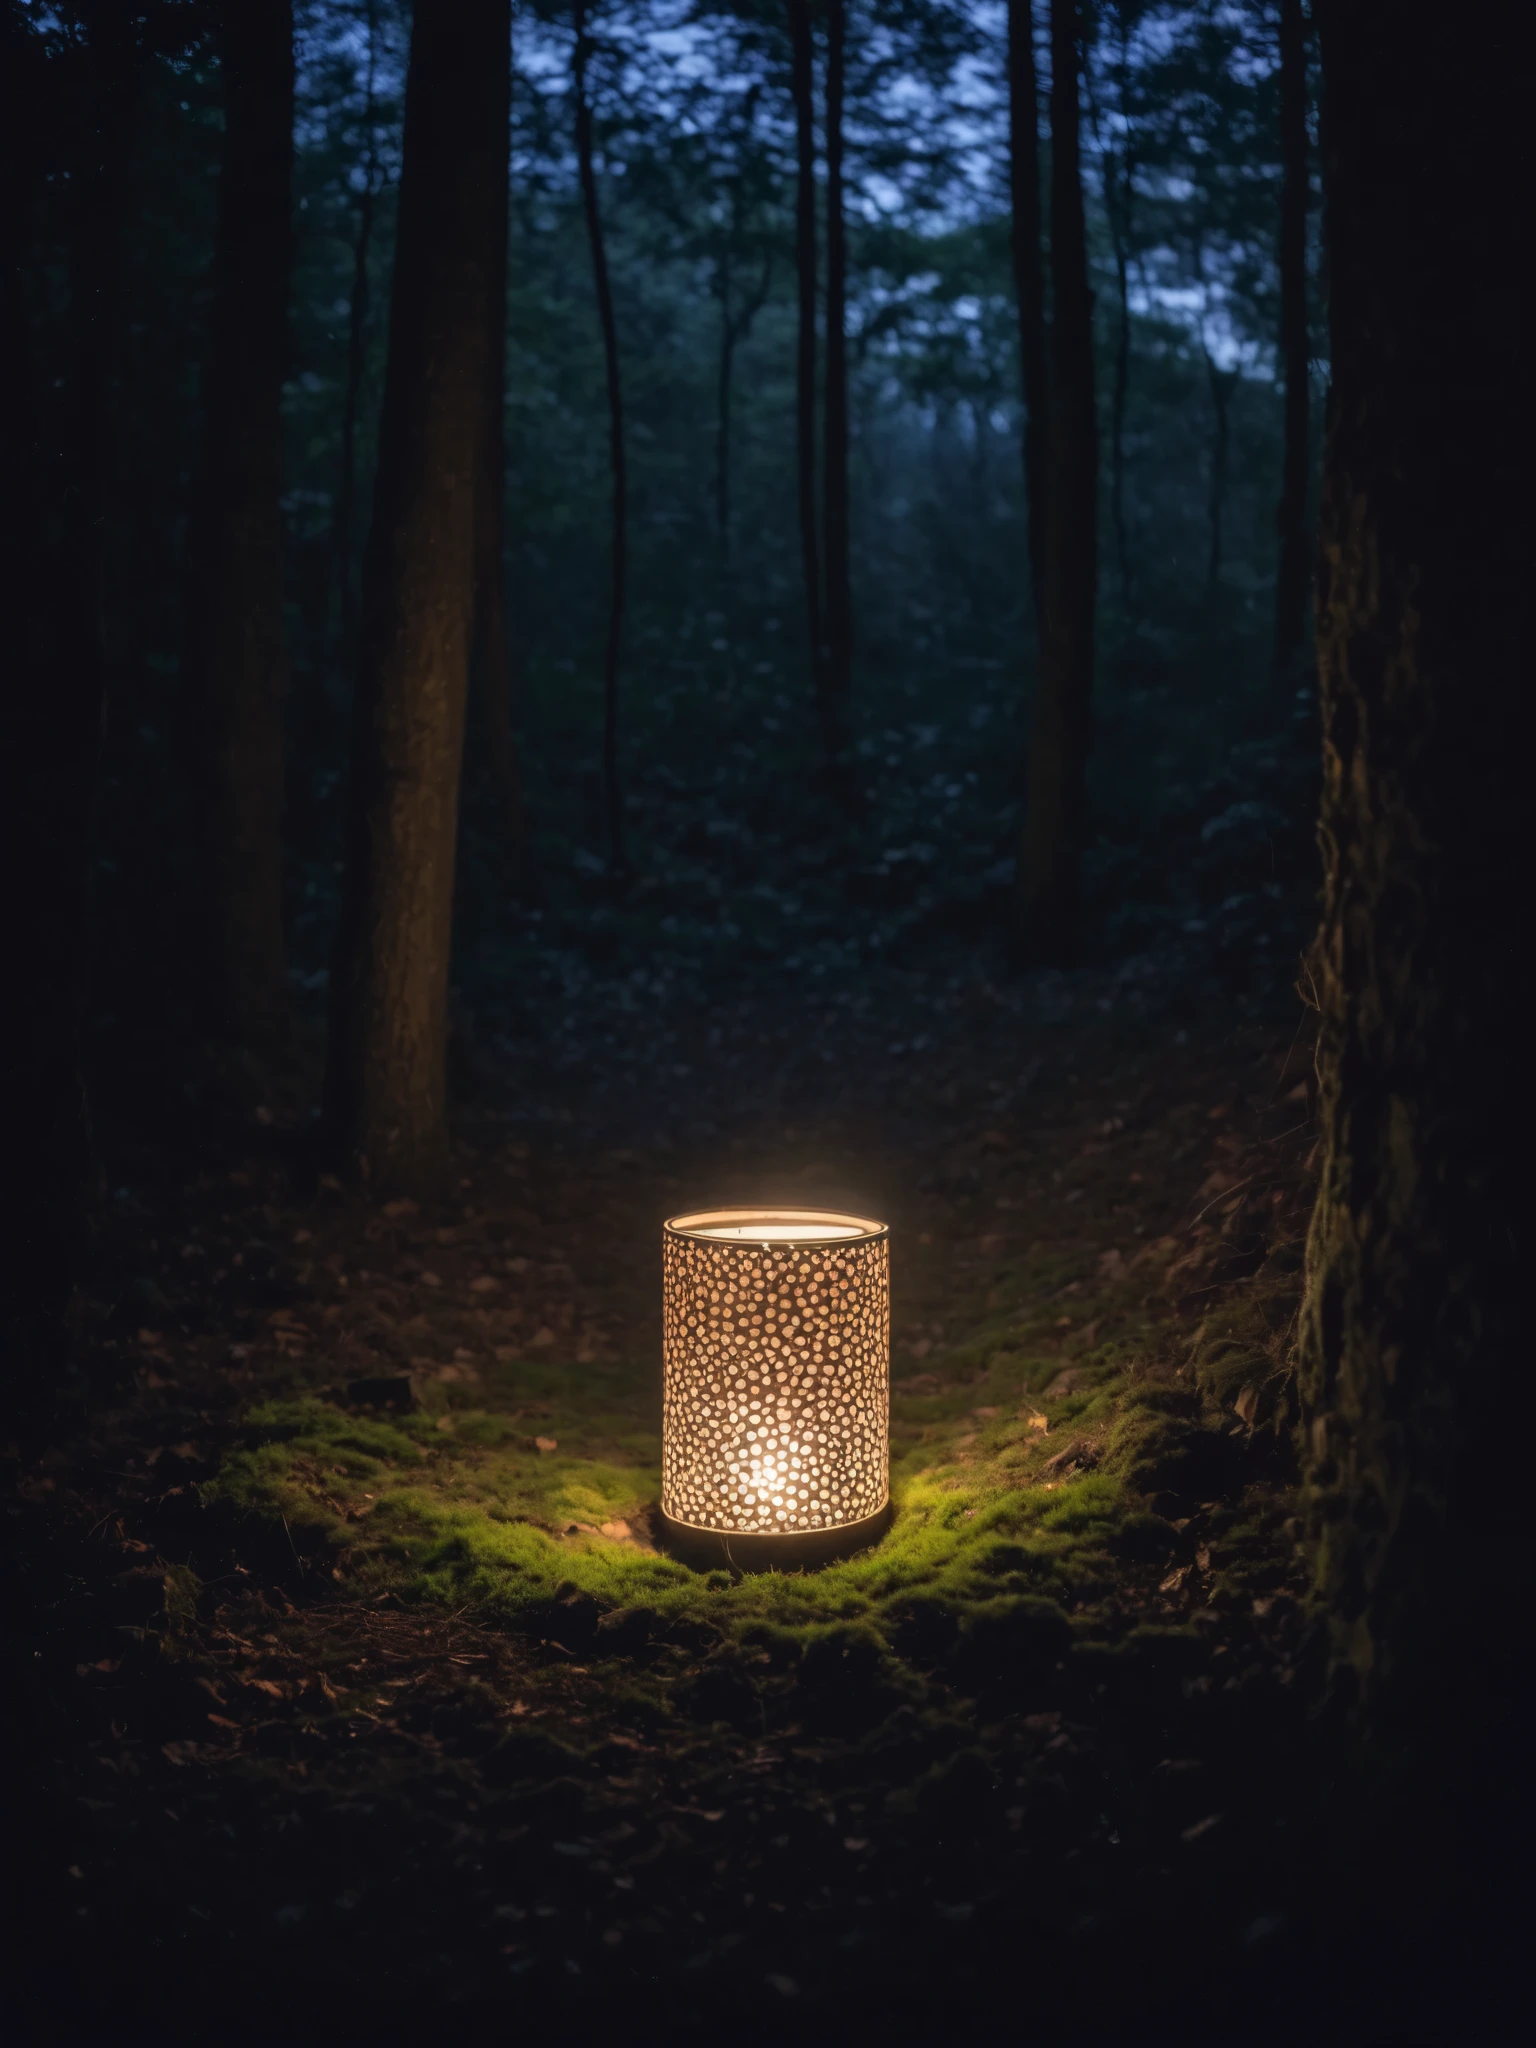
(542, 1338)
(1175, 1579)
(402, 1206)
(431, 1280)
(547, 1443)
(485, 1284)
(1112, 1265)
(855, 1842)
(1246, 1406)
(1038, 1421)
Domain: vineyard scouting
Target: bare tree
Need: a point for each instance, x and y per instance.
(802, 89)
(1293, 571)
(1063, 719)
(613, 795)
(239, 660)
(387, 1066)
(837, 659)
(1029, 275)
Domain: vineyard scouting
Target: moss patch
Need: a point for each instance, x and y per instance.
(1022, 1456)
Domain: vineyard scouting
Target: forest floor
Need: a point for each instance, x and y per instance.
(366, 1700)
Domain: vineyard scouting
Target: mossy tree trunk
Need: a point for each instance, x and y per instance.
(1421, 965)
(386, 1079)
(1063, 720)
(239, 662)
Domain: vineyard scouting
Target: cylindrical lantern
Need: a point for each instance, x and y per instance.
(776, 1409)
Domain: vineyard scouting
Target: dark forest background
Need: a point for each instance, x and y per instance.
(737, 851)
(914, 580)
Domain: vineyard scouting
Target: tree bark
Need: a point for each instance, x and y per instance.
(735, 326)
(490, 541)
(734, 329)
(1063, 720)
(387, 1056)
(1293, 570)
(56, 457)
(618, 865)
(343, 528)
(801, 89)
(838, 657)
(1414, 1343)
(239, 662)
(1222, 384)
(1029, 280)
(1118, 206)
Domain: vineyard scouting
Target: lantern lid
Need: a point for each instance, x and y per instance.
(775, 1226)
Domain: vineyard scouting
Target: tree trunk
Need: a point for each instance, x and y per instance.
(343, 529)
(1063, 721)
(801, 86)
(734, 329)
(1294, 567)
(1223, 383)
(490, 542)
(57, 466)
(1029, 280)
(386, 1079)
(239, 663)
(1119, 396)
(1414, 1340)
(617, 859)
(1119, 205)
(838, 657)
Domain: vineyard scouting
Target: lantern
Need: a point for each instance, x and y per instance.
(776, 1404)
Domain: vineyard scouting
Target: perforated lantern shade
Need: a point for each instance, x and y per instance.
(776, 1408)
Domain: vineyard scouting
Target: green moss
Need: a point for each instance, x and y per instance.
(500, 1495)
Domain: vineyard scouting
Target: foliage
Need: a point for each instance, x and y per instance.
(694, 135)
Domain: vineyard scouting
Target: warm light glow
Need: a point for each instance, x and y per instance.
(777, 1347)
(779, 1233)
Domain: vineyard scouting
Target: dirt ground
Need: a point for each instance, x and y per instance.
(1051, 1756)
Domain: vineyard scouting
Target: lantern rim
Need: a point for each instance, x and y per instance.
(821, 1226)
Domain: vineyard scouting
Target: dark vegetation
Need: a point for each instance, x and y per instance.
(632, 605)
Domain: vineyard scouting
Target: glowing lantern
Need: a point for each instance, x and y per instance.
(776, 1409)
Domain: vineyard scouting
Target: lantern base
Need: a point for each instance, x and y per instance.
(798, 1550)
